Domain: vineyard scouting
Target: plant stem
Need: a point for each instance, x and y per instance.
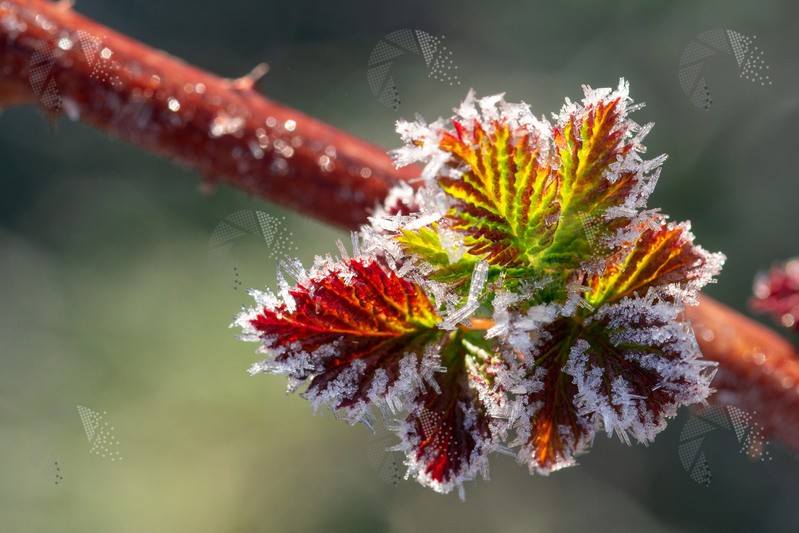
(758, 369)
(229, 133)
(222, 128)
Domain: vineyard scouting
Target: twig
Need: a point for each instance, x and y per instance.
(223, 128)
(758, 369)
(228, 132)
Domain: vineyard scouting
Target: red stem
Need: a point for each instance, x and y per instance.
(758, 369)
(222, 128)
(228, 132)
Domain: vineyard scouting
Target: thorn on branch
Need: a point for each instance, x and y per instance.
(249, 81)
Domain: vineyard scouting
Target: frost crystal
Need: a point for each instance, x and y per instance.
(522, 296)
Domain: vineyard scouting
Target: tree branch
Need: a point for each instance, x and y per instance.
(230, 133)
(223, 128)
(758, 369)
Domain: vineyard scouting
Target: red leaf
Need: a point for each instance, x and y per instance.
(449, 432)
(634, 365)
(551, 432)
(351, 331)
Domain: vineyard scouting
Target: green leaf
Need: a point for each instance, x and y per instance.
(506, 200)
(425, 243)
(588, 145)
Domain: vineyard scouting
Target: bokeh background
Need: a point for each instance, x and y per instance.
(108, 299)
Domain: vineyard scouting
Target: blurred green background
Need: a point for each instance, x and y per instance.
(109, 300)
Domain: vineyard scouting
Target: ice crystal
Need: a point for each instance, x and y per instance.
(522, 295)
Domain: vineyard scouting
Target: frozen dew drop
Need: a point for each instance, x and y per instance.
(224, 124)
(256, 150)
(279, 166)
(325, 164)
(64, 43)
(44, 23)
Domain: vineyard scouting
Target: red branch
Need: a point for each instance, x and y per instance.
(228, 132)
(221, 127)
(758, 369)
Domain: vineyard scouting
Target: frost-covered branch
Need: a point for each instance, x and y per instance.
(223, 128)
